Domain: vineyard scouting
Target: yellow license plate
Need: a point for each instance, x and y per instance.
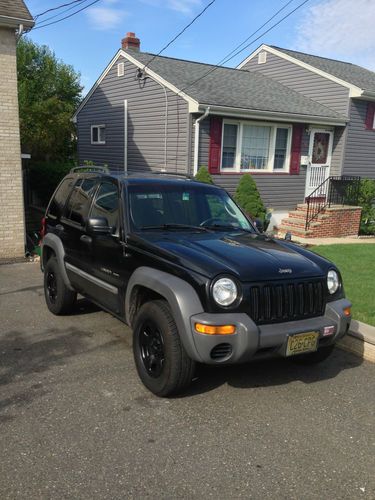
(303, 342)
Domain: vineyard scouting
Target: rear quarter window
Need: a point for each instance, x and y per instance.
(79, 203)
(57, 203)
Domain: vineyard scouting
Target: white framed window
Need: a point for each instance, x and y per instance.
(120, 69)
(97, 134)
(255, 147)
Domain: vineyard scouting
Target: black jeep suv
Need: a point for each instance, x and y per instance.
(179, 262)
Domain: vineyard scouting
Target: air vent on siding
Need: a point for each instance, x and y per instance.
(120, 69)
(262, 57)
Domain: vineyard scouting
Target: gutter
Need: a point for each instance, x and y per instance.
(14, 22)
(196, 138)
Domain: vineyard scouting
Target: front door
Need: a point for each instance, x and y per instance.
(320, 154)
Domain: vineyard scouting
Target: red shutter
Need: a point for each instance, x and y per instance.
(370, 116)
(295, 154)
(214, 158)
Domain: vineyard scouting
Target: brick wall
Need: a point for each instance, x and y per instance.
(12, 225)
(340, 222)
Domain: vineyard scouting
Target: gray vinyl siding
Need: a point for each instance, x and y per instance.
(146, 124)
(278, 191)
(338, 148)
(360, 143)
(309, 84)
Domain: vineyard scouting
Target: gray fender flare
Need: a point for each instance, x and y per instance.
(52, 241)
(181, 296)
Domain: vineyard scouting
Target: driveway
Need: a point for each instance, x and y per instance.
(75, 422)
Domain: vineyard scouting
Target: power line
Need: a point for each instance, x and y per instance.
(63, 11)
(66, 17)
(56, 8)
(180, 33)
(229, 56)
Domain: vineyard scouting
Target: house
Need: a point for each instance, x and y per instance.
(289, 119)
(14, 18)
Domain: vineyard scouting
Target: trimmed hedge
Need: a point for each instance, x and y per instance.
(366, 200)
(203, 175)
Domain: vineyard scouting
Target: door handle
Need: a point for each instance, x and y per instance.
(86, 239)
(60, 227)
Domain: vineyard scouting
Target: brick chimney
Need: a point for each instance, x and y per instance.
(130, 42)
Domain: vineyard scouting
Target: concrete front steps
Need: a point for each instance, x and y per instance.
(335, 221)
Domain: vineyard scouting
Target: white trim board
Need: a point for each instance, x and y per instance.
(354, 91)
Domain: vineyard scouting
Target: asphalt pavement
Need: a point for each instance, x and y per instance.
(76, 423)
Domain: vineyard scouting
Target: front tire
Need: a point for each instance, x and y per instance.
(313, 358)
(59, 298)
(161, 360)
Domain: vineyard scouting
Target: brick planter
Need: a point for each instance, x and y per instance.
(333, 222)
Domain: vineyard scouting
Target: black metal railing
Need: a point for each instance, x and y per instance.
(335, 190)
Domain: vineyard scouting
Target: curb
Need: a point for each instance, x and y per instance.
(360, 340)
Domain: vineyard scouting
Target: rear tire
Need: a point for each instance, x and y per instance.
(161, 360)
(59, 298)
(313, 358)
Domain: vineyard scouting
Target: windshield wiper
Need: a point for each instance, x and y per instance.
(226, 227)
(175, 226)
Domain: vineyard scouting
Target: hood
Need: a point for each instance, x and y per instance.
(248, 256)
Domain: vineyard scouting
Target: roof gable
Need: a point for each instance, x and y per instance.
(13, 12)
(225, 88)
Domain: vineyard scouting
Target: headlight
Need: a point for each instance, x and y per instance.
(333, 282)
(224, 291)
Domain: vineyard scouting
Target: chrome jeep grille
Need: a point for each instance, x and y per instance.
(286, 301)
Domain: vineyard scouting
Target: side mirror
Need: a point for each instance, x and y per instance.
(288, 237)
(259, 225)
(98, 225)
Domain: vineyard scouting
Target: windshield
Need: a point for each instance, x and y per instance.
(169, 206)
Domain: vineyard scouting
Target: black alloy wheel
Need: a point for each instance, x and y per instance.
(152, 349)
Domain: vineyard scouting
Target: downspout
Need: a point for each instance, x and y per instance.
(196, 138)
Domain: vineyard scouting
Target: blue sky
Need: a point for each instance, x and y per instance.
(341, 29)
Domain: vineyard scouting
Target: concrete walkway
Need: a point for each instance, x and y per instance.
(334, 241)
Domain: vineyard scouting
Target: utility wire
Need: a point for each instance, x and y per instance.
(66, 17)
(63, 11)
(56, 8)
(180, 33)
(229, 56)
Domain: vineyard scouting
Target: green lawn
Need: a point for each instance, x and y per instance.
(357, 266)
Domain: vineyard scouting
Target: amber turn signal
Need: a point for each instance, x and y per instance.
(347, 311)
(215, 330)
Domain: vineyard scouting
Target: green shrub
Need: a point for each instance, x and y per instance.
(203, 175)
(366, 200)
(45, 176)
(248, 197)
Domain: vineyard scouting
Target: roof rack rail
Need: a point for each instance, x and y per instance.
(176, 174)
(89, 168)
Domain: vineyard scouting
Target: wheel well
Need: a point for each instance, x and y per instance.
(139, 296)
(48, 252)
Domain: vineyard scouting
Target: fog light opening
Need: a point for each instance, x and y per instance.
(215, 329)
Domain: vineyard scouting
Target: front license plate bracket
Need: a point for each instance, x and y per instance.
(301, 343)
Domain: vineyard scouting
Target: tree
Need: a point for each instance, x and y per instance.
(248, 197)
(366, 200)
(203, 175)
(49, 91)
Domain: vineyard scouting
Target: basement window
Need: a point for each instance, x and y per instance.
(97, 134)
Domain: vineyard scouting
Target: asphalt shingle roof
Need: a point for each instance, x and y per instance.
(233, 88)
(351, 73)
(16, 9)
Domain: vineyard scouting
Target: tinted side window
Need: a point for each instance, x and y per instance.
(80, 200)
(106, 203)
(57, 203)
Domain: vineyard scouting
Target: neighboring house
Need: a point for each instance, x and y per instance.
(289, 119)
(14, 18)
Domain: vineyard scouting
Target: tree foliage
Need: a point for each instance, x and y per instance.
(49, 92)
(248, 197)
(366, 200)
(203, 175)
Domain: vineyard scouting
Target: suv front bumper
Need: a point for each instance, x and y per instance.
(252, 342)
